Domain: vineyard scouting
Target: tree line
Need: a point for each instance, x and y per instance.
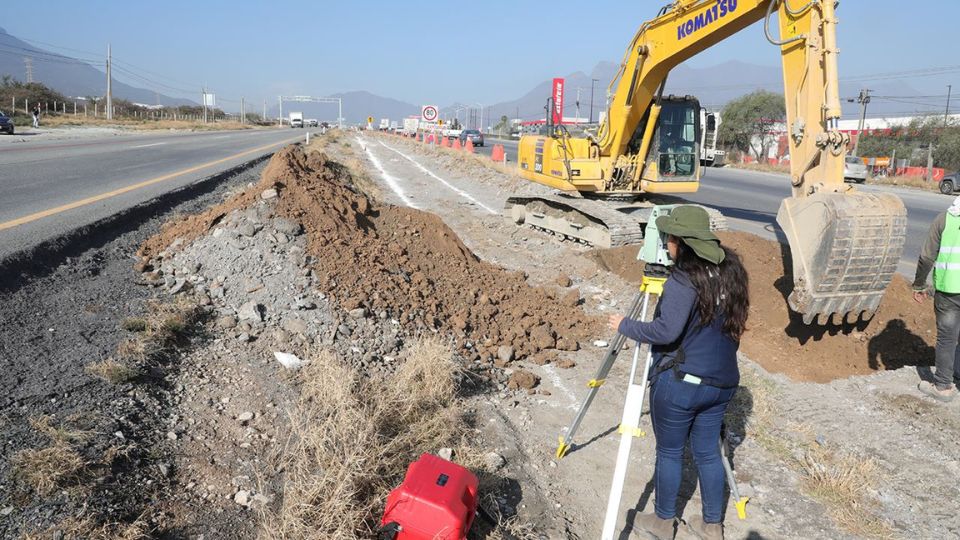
(747, 121)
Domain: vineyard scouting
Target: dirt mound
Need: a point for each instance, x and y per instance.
(902, 333)
(386, 261)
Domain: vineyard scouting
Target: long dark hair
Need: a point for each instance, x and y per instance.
(721, 288)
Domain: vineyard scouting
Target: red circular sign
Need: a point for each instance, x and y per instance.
(429, 113)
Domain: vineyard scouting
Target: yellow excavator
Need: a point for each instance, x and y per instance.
(845, 244)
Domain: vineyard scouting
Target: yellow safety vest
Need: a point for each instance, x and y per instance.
(946, 271)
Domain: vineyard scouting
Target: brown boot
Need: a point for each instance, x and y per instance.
(696, 528)
(651, 527)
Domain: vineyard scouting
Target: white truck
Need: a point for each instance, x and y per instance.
(710, 156)
(296, 119)
(384, 124)
(411, 125)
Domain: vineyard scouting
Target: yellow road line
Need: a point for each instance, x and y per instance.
(96, 198)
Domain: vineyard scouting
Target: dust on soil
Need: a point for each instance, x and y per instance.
(900, 333)
(404, 263)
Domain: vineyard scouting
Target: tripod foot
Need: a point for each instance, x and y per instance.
(742, 507)
(562, 448)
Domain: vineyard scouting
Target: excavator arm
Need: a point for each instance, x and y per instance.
(845, 245)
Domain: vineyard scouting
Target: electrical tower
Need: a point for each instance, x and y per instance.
(29, 63)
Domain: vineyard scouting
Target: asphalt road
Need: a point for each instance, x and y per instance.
(750, 200)
(49, 188)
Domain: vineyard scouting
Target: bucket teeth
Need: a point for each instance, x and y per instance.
(845, 250)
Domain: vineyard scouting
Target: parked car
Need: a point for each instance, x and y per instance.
(854, 169)
(473, 134)
(950, 183)
(6, 124)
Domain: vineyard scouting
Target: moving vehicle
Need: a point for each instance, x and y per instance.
(296, 119)
(384, 124)
(6, 124)
(473, 135)
(845, 244)
(710, 156)
(950, 183)
(854, 169)
(312, 122)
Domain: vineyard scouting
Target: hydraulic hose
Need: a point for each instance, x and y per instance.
(766, 25)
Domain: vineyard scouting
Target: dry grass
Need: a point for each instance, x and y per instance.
(841, 482)
(146, 125)
(761, 167)
(353, 439)
(85, 527)
(908, 181)
(45, 470)
(112, 371)
(134, 324)
(161, 332)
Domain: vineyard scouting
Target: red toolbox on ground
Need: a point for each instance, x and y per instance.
(437, 501)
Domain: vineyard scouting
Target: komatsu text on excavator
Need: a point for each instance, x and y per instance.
(845, 244)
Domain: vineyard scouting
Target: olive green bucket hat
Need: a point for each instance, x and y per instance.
(691, 224)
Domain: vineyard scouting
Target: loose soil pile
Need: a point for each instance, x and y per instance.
(902, 333)
(402, 263)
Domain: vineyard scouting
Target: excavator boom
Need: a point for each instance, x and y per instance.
(845, 245)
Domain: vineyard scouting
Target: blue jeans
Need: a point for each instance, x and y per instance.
(681, 410)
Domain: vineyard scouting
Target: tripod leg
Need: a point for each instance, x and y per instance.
(739, 502)
(638, 306)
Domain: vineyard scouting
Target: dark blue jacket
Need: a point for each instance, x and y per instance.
(708, 352)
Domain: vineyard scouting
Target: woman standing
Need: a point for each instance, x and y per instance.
(695, 335)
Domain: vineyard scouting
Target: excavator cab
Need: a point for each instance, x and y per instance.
(671, 153)
(677, 139)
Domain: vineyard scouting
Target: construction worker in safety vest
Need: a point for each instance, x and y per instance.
(941, 252)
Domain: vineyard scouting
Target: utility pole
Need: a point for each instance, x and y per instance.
(592, 82)
(264, 111)
(863, 99)
(29, 64)
(109, 84)
(243, 115)
(280, 99)
(204, 94)
(946, 115)
(578, 104)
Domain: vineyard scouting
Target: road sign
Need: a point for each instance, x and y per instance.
(369, 119)
(440, 122)
(429, 113)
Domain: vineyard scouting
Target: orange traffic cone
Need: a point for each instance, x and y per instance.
(497, 153)
(444, 142)
(469, 146)
(456, 144)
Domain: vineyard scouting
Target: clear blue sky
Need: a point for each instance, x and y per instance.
(438, 52)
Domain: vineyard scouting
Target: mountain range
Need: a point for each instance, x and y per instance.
(713, 85)
(70, 76)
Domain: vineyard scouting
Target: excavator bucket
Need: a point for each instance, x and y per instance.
(845, 249)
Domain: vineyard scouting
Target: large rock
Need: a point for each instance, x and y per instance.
(287, 227)
(251, 311)
(522, 379)
(505, 354)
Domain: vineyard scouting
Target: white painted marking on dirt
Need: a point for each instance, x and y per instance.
(148, 145)
(558, 384)
(459, 191)
(390, 180)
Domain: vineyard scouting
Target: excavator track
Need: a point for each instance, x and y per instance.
(593, 222)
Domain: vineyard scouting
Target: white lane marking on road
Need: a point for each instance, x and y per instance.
(148, 145)
(390, 180)
(459, 191)
(558, 384)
